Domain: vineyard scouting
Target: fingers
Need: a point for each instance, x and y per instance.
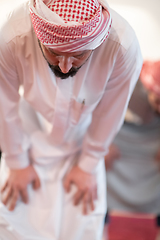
(88, 203)
(16, 185)
(36, 183)
(4, 187)
(92, 206)
(35, 179)
(67, 184)
(6, 195)
(86, 187)
(78, 197)
(94, 194)
(13, 200)
(24, 195)
(10, 196)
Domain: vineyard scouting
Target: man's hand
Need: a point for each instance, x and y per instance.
(16, 186)
(86, 187)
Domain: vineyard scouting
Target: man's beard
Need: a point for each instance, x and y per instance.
(58, 73)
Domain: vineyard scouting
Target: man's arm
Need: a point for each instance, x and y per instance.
(109, 115)
(13, 140)
(107, 119)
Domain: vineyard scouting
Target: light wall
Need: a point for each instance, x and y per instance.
(143, 15)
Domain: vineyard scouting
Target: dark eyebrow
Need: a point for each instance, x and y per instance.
(78, 55)
(50, 50)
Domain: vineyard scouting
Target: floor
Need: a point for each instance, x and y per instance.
(130, 227)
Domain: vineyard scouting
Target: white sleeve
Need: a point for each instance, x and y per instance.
(109, 115)
(13, 141)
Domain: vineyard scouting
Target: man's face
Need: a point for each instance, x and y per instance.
(65, 65)
(154, 100)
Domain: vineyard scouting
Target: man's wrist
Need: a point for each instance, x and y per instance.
(89, 164)
(17, 161)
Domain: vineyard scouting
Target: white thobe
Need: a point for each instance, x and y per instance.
(78, 117)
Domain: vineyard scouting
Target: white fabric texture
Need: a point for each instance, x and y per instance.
(134, 179)
(7, 232)
(67, 126)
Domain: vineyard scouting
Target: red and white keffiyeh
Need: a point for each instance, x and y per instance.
(71, 25)
(150, 76)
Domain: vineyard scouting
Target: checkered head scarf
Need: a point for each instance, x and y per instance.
(150, 76)
(71, 25)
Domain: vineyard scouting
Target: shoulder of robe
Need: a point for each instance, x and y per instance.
(17, 23)
(121, 32)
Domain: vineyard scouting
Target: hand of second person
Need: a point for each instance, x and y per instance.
(86, 187)
(16, 186)
(113, 154)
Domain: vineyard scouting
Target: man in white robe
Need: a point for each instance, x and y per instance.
(77, 63)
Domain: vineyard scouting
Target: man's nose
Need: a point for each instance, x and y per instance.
(65, 63)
